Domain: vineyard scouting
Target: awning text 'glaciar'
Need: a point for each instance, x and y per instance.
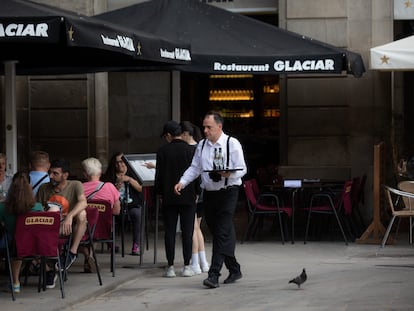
(280, 66)
(23, 30)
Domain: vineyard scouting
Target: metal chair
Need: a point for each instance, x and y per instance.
(331, 203)
(394, 197)
(358, 200)
(105, 227)
(264, 204)
(5, 254)
(37, 236)
(92, 214)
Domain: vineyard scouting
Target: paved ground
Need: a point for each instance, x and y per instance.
(354, 277)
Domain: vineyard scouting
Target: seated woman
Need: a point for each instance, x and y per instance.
(118, 174)
(97, 190)
(19, 200)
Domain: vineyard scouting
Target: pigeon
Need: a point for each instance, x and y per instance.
(300, 279)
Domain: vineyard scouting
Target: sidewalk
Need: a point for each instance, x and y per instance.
(258, 259)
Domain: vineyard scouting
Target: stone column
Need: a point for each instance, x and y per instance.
(101, 104)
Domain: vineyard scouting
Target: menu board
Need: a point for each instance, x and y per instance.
(138, 165)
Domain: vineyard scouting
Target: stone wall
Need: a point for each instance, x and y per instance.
(333, 122)
(139, 105)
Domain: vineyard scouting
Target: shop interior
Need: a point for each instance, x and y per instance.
(249, 105)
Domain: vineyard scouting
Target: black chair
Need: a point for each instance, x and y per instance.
(358, 201)
(331, 203)
(92, 215)
(105, 227)
(262, 205)
(5, 255)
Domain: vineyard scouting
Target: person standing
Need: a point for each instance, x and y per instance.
(220, 196)
(172, 160)
(39, 169)
(192, 135)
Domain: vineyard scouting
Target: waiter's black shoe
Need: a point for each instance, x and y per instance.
(211, 282)
(233, 277)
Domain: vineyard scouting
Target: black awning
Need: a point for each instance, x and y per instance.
(43, 39)
(226, 42)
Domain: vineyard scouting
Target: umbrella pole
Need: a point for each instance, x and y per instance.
(11, 119)
(394, 144)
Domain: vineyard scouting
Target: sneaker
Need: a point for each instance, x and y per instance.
(9, 288)
(16, 288)
(70, 260)
(135, 250)
(187, 271)
(170, 272)
(196, 269)
(205, 268)
(233, 277)
(51, 278)
(211, 282)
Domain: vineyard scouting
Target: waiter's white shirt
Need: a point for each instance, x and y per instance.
(203, 160)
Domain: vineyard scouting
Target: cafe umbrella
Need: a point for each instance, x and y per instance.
(393, 56)
(48, 40)
(37, 39)
(223, 42)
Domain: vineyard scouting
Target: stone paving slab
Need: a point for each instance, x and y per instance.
(365, 271)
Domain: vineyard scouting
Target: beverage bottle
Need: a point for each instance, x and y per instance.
(216, 160)
(220, 159)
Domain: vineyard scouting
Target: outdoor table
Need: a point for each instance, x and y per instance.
(293, 187)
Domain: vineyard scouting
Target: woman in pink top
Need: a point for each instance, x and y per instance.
(97, 190)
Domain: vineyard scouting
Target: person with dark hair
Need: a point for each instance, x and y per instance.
(19, 201)
(119, 174)
(172, 160)
(67, 197)
(219, 160)
(192, 135)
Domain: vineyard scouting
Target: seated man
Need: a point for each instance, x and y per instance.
(39, 169)
(97, 190)
(66, 196)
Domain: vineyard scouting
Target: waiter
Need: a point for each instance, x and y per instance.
(220, 161)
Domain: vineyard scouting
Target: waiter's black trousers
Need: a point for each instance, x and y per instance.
(219, 207)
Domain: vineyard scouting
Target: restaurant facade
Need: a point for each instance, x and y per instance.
(309, 126)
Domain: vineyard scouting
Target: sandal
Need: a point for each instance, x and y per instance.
(89, 265)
